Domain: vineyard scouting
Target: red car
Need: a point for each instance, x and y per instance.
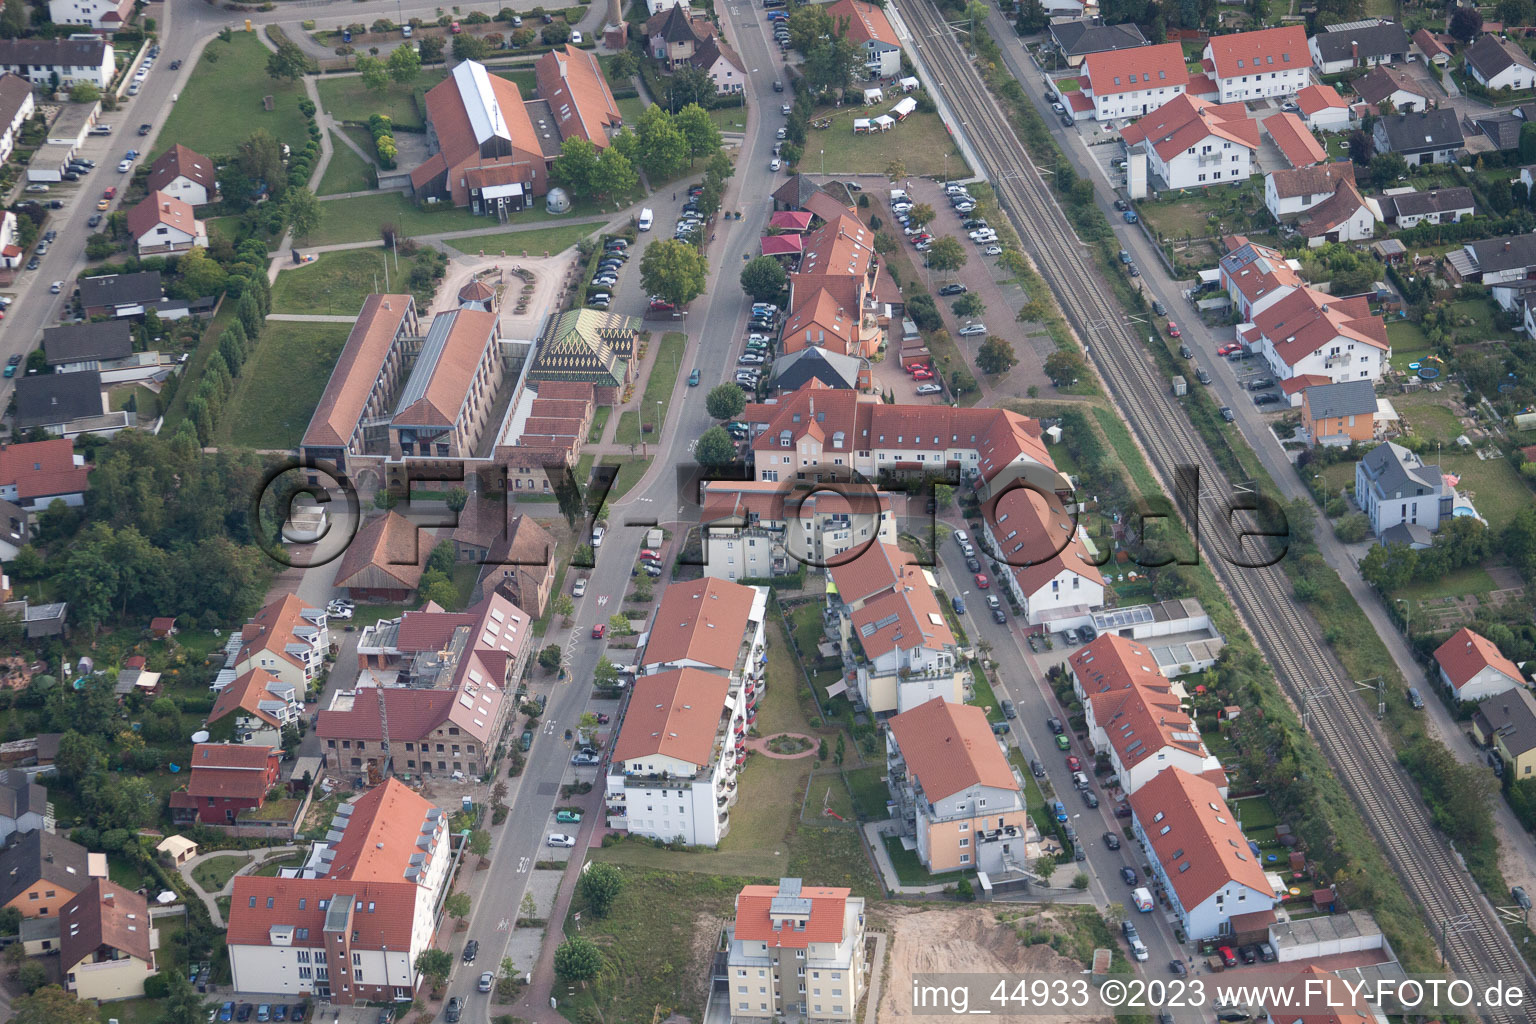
(1173, 329)
(660, 305)
(1227, 349)
(922, 373)
(982, 582)
(649, 555)
(1074, 764)
(1227, 957)
(919, 368)
(599, 631)
(110, 193)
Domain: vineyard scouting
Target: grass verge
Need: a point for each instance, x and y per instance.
(222, 102)
(279, 387)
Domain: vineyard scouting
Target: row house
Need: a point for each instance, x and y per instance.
(348, 926)
(954, 791)
(16, 105)
(1136, 716)
(65, 60)
(1051, 570)
(1190, 143)
(1132, 82)
(756, 530)
(888, 619)
(794, 949)
(287, 638)
(259, 706)
(1256, 65)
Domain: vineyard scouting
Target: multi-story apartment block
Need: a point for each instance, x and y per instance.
(260, 707)
(1133, 82)
(1190, 143)
(446, 406)
(885, 614)
(1393, 486)
(83, 58)
(1255, 65)
(954, 790)
(353, 414)
(834, 299)
(287, 638)
(1308, 332)
(795, 951)
(1052, 572)
(349, 925)
(1134, 714)
(758, 529)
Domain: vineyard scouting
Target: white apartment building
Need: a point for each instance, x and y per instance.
(81, 58)
(795, 951)
(1260, 64)
(1308, 332)
(1053, 573)
(1133, 82)
(760, 529)
(1192, 143)
(287, 638)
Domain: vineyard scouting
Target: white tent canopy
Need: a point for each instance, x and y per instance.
(904, 107)
(883, 122)
(909, 85)
(873, 96)
(860, 125)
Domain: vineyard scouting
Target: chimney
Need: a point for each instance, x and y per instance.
(1354, 52)
(1506, 247)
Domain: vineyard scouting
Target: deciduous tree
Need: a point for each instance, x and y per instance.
(404, 64)
(287, 62)
(302, 211)
(725, 401)
(576, 959)
(995, 355)
(673, 270)
(715, 448)
(698, 130)
(435, 965)
(763, 278)
(374, 72)
(947, 254)
(600, 885)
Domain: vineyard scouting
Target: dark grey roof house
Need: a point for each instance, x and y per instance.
(1078, 37)
(1438, 206)
(53, 399)
(114, 294)
(835, 370)
(86, 346)
(1359, 45)
(1422, 137)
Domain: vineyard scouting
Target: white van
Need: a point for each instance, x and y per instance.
(647, 218)
(898, 195)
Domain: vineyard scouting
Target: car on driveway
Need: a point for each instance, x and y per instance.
(585, 758)
(929, 389)
(1268, 398)
(568, 817)
(560, 839)
(1228, 348)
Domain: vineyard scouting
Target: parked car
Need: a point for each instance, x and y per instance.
(1260, 383)
(1267, 398)
(579, 589)
(585, 758)
(1037, 769)
(1009, 712)
(1129, 875)
(1111, 841)
(1227, 413)
(1173, 330)
(568, 817)
(1227, 956)
(599, 631)
(1159, 308)
(993, 250)
(1202, 377)
(929, 389)
(1091, 799)
(471, 950)
(36, 187)
(560, 839)
(953, 289)
(972, 330)
(487, 980)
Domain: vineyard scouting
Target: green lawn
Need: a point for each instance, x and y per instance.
(345, 98)
(920, 142)
(628, 429)
(869, 792)
(631, 109)
(222, 102)
(193, 370)
(337, 283)
(269, 868)
(729, 119)
(1454, 584)
(910, 870)
(534, 241)
(666, 364)
(599, 422)
(358, 219)
(1427, 418)
(631, 469)
(1495, 486)
(213, 874)
(985, 698)
(279, 388)
(1186, 214)
(1408, 343)
(347, 172)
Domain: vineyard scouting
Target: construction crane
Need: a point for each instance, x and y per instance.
(383, 737)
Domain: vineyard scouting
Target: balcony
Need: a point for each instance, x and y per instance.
(1342, 359)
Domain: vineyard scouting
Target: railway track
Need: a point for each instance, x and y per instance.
(1474, 941)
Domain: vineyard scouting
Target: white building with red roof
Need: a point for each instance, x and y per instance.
(1135, 715)
(185, 174)
(1256, 277)
(260, 706)
(1199, 855)
(1190, 143)
(887, 610)
(1311, 332)
(287, 638)
(349, 925)
(1255, 65)
(672, 771)
(795, 950)
(162, 224)
(1322, 108)
(1132, 82)
(1294, 140)
(1473, 668)
(36, 474)
(871, 31)
(954, 790)
(1052, 571)
(756, 530)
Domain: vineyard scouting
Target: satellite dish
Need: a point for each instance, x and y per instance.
(201, 736)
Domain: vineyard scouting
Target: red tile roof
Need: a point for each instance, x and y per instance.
(413, 714)
(42, 469)
(104, 914)
(578, 94)
(1132, 700)
(231, 771)
(875, 570)
(357, 369)
(388, 826)
(470, 334)
(246, 693)
(448, 109)
(950, 747)
(866, 22)
(389, 545)
(1307, 181)
(181, 162)
(302, 902)
(1306, 320)
(1039, 539)
(158, 209)
(1467, 653)
(1140, 67)
(754, 916)
(1261, 51)
(1188, 823)
(704, 621)
(1428, 45)
(1302, 381)
(1333, 211)
(272, 629)
(1295, 140)
(1317, 996)
(673, 714)
(1316, 98)
(1185, 121)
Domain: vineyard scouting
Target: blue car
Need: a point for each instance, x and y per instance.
(227, 1011)
(958, 605)
(1130, 216)
(1059, 809)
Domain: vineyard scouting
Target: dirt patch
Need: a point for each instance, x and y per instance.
(969, 940)
(701, 953)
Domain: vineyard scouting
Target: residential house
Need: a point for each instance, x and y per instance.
(24, 805)
(73, 59)
(1130, 83)
(1051, 571)
(520, 564)
(833, 301)
(1310, 332)
(1474, 669)
(1494, 261)
(1259, 64)
(1256, 276)
(1322, 109)
(1431, 48)
(107, 943)
(1295, 190)
(755, 529)
(287, 638)
(1508, 725)
(1393, 485)
(722, 65)
(101, 15)
(41, 872)
(869, 30)
(483, 150)
(1396, 87)
(15, 530)
(12, 255)
(183, 174)
(385, 560)
(16, 105)
(1346, 216)
(1501, 128)
(1497, 63)
(350, 926)
(260, 706)
(445, 409)
(1190, 143)
(654, 7)
(120, 294)
(795, 949)
(1409, 208)
(1076, 38)
(1422, 137)
(674, 35)
(672, 771)
(66, 404)
(954, 790)
(161, 225)
(98, 345)
(431, 648)
(353, 414)
(888, 615)
(1177, 633)
(1339, 414)
(1198, 854)
(1294, 140)
(572, 83)
(819, 367)
(1135, 715)
(226, 779)
(1358, 44)
(36, 474)
(1318, 996)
